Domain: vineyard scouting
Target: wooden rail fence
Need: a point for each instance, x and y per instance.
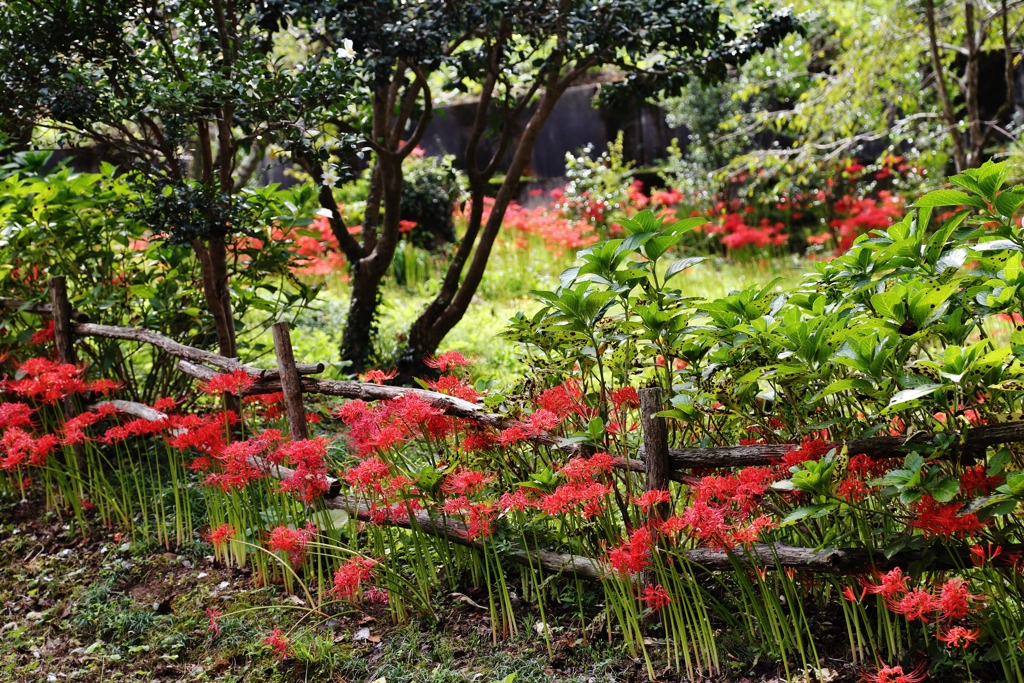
(660, 463)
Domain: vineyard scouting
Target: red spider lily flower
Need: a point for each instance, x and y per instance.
(103, 386)
(74, 427)
(893, 583)
(569, 497)
(265, 399)
(453, 386)
(447, 361)
(954, 598)
(374, 595)
(633, 556)
(942, 519)
(651, 498)
(378, 376)
(541, 421)
(565, 399)
(350, 577)
(139, 427)
(513, 435)
(866, 467)
(895, 674)
(308, 457)
(848, 594)
(655, 597)
(280, 642)
(980, 557)
(916, 604)
(292, 542)
(750, 533)
(480, 441)
(958, 636)
(46, 381)
(624, 397)
(810, 449)
(165, 404)
(221, 534)
(741, 490)
(584, 469)
(43, 335)
(236, 382)
(15, 415)
(369, 475)
(238, 461)
(18, 447)
(203, 433)
(975, 482)
(214, 626)
(479, 516)
(353, 411)
(517, 501)
(466, 482)
(852, 490)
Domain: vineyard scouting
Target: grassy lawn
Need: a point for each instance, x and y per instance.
(511, 275)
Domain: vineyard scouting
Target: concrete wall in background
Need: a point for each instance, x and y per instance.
(574, 123)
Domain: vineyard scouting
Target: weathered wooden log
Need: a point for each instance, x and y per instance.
(827, 560)
(451, 405)
(134, 408)
(39, 309)
(975, 440)
(179, 350)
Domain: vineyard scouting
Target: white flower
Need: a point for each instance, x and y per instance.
(330, 178)
(346, 50)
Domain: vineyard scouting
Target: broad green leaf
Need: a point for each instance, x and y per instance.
(682, 264)
(943, 198)
(908, 395)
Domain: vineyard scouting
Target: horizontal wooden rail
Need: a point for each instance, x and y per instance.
(39, 309)
(764, 555)
(192, 361)
(975, 440)
(179, 350)
(451, 405)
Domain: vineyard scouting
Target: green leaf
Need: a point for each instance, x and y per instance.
(808, 512)
(682, 264)
(908, 395)
(946, 198)
(946, 490)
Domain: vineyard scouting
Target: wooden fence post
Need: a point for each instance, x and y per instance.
(291, 385)
(655, 446)
(63, 336)
(64, 340)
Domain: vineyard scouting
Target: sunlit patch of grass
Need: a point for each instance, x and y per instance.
(512, 274)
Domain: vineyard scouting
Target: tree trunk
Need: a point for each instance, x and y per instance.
(369, 271)
(214, 267)
(975, 131)
(447, 309)
(959, 152)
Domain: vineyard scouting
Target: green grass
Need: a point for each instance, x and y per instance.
(505, 290)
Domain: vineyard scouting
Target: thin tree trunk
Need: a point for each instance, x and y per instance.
(213, 264)
(975, 129)
(1007, 107)
(369, 271)
(959, 152)
(447, 309)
